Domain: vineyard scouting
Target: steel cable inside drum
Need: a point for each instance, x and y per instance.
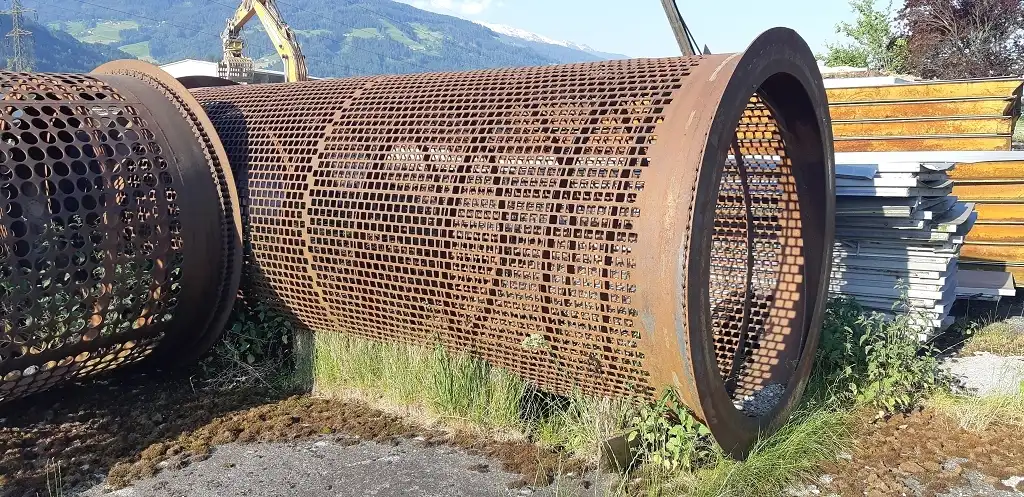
(119, 225)
(616, 227)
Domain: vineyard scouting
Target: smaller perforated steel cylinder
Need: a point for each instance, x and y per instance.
(119, 226)
(616, 227)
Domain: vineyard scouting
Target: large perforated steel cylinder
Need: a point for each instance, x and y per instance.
(119, 225)
(617, 227)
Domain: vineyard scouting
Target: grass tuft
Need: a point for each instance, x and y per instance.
(978, 413)
(865, 363)
(998, 338)
(450, 386)
(788, 457)
(462, 391)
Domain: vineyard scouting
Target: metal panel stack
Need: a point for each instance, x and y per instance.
(898, 231)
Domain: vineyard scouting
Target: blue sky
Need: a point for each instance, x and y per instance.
(638, 27)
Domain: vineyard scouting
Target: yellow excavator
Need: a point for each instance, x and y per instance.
(239, 68)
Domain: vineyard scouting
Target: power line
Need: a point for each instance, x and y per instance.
(333, 63)
(195, 31)
(19, 39)
(353, 27)
(191, 30)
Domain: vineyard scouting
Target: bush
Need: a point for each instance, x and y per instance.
(255, 349)
(875, 360)
(668, 436)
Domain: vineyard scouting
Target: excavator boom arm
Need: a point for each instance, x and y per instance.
(281, 36)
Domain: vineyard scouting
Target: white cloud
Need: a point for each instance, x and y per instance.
(463, 7)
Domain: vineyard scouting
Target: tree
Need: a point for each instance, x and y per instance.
(955, 39)
(875, 44)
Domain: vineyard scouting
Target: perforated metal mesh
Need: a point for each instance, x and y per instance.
(491, 211)
(92, 250)
(756, 259)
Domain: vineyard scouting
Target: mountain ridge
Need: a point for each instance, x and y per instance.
(338, 37)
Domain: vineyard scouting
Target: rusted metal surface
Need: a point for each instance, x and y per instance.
(990, 191)
(945, 143)
(947, 116)
(980, 172)
(993, 252)
(998, 213)
(997, 233)
(117, 242)
(584, 225)
(977, 88)
(967, 107)
(944, 126)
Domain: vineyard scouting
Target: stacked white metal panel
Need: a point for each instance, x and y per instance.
(899, 231)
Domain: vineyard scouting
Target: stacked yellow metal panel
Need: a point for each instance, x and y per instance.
(997, 240)
(957, 116)
(961, 115)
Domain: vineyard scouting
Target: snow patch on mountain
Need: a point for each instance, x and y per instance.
(534, 37)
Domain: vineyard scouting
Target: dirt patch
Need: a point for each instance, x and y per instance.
(925, 453)
(134, 428)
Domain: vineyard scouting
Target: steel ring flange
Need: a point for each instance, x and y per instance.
(218, 255)
(739, 325)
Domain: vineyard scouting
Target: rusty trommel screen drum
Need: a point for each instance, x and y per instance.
(120, 235)
(615, 227)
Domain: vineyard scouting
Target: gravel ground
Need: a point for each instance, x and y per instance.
(979, 487)
(339, 466)
(987, 374)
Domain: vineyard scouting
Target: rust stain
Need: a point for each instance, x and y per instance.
(513, 214)
(936, 143)
(927, 91)
(487, 209)
(1001, 233)
(995, 213)
(992, 252)
(907, 110)
(998, 125)
(994, 192)
(987, 171)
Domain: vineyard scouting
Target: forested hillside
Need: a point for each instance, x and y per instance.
(59, 51)
(339, 37)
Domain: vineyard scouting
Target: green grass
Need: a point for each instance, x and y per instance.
(105, 32)
(365, 33)
(1018, 131)
(140, 50)
(312, 32)
(74, 28)
(997, 338)
(430, 40)
(396, 34)
(428, 36)
(453, 387)
(978, 413)
(789, 456)
(672, 454)
(462, 391)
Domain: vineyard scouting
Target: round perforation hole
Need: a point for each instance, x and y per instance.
(58, 256)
